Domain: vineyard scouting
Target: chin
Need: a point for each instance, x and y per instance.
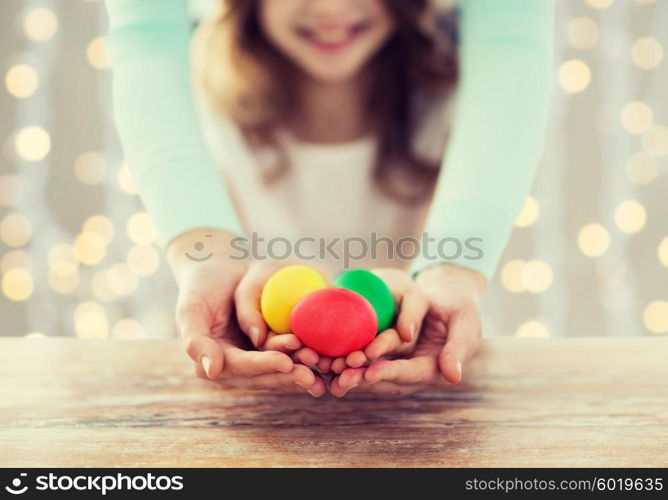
(332, 75)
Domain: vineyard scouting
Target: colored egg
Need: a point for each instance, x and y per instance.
(373, 289)
(334, 321)
(283, 290)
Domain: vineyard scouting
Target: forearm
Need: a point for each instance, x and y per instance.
(499, 128)
(178, 180)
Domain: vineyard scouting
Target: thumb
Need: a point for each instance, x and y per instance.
(198, 342)
(464, 333)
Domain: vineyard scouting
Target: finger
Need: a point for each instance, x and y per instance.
(414, 307)
(306, 356)
(356, 359)
(251, 363)
(418, 370)
(348, 380)
(247, 304)
(199, 371)
(462, 341)
(338, 365)
(384, 343)
(283, 342)
(324, 364)
(198, 343)
(389, 388)
(300, 379)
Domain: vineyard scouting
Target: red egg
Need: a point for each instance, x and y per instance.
(334, 321)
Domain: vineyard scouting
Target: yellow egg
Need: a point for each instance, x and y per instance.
(283, 290)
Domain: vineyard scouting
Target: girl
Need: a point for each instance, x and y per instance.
(329, 118)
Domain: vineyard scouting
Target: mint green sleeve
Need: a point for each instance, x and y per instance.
(149, 49)
(500, 120)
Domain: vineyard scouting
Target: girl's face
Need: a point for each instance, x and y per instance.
(330, 40)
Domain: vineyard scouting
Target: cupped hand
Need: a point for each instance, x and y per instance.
(450, 335)
(412, 306)
(208, 326)
(248, 314)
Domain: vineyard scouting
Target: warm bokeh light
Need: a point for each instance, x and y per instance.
(655, 141)
(140, 229)
(63, 260)
(663, 251)
(121, 280)
(593, 240)
(630, 216)
(32, 143)
(34, 335)
(536, 276)
(17, 284)
(21, 81)
(89, 248)
(90, 321)
(647, 53)
(532, 329)
(101, 225)
(15, 230)
(10, 190)
(637, 117)
(89, 168)
(143, 260)
(511, 276)
(100, 287)
(582, 33)
(96, 52)
(599, 4)
(62, 283)
(127, 328)
(15, 258)
(125, 180)
(574, 75)
(655, 316)
(641, 169)
(40, 24)
(529, 214)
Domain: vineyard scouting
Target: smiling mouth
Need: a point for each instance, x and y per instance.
(199, 259)
(332, 37)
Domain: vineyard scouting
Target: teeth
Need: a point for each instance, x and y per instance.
(332, 36)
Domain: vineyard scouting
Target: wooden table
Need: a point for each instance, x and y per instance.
(526, 402)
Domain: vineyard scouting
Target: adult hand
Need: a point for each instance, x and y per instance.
(450, 335)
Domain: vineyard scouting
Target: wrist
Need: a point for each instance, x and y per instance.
(453, 272)
(202, 249)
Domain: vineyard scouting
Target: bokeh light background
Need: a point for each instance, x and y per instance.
(589, 254)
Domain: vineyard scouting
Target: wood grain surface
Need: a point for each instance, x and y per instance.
(525, 403)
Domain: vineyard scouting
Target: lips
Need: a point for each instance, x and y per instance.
(332, 37)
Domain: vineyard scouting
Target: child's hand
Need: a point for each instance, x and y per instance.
(247, 368)
(247, 304)
(450, 335)
(206, 322)
(412, 305)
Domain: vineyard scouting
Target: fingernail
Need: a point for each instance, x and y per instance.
(350, 389)
(459, 369)
(254, 334)
(302, 385)
(206, 364)
(413, 332)
(312, 393)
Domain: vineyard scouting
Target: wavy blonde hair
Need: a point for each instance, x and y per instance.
(248, 80)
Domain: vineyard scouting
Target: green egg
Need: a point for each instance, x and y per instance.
(373, 289)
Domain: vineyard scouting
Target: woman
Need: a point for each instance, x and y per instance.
(333, 53)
